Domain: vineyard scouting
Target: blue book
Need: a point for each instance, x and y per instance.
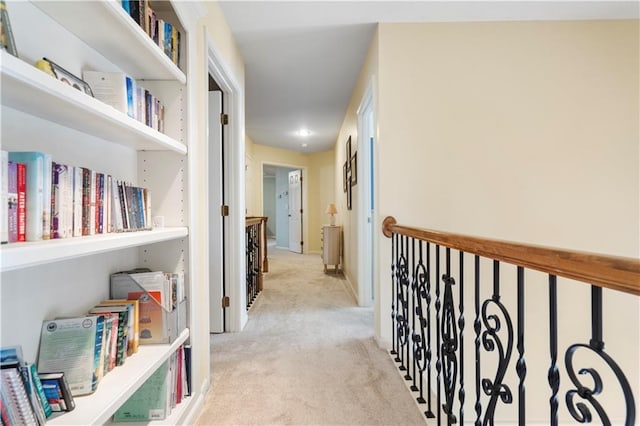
(130, 95)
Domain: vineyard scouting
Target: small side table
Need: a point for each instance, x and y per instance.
(330, 239)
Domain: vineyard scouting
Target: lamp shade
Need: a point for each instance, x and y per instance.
(331, 209)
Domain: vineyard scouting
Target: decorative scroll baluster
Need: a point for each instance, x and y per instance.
(449, 342)
(406, 311)
(402, 316)
(438, 351)
(461, 393)
(521, 366)
(491, 341)
(419, 343)
(579, 410)
(477, 327)
(429, 412)
(414, 295)
(394, 293)
(553, 374)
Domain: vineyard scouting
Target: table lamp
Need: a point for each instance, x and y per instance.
(331, 210)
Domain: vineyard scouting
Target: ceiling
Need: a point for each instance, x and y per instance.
(302, 58)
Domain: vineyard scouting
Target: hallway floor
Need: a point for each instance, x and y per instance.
(306, 357)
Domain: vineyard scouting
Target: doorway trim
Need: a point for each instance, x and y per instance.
(305, 206)
(366, 235)
(234, 152)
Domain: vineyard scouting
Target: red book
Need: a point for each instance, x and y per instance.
(22, 201)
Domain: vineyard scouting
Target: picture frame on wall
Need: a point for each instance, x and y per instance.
(348, 150)
(354, 168)
(349, 193)
(7, 41)
(345, 177)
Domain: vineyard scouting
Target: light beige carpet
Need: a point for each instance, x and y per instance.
(306, 357)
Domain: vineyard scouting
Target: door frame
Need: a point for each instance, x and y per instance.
(366, 238)
(305, 207)
(234, 152)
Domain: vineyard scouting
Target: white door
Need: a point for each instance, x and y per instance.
(295, 211)
(216, 281)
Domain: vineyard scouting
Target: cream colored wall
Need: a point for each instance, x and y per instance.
(349, 218)
(318, 184)
(526, 131)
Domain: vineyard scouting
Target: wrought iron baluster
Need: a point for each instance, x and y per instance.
(491, 341)
(553, 375)
(414, 289)
(521, 366)
(579, 410)
(419, 344)
(477, 327)
(429, 412)
(402, 317)
(406, 287)
(461, 323)
(449, 342)
(438, 350)
(394, 260)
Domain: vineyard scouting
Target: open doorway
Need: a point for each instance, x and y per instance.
(282, 204)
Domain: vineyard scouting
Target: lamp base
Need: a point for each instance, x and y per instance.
(332, 220)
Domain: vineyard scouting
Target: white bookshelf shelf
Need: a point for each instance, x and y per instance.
(27, 254)
(141, 58)
(118, 385)
(26, 88)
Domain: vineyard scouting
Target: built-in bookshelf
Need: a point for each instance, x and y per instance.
(63, 277)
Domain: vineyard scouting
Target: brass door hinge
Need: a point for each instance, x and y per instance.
(224, 119)
(225, 302)
(224, 210)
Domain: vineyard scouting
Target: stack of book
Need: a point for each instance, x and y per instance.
(163, 391)
(43, 199)
(124, 93)
(27, 397)
(165, 34)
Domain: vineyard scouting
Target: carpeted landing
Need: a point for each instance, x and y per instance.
(306, 357)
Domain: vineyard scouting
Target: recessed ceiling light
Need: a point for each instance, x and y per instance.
(303, 133)
(304, 145)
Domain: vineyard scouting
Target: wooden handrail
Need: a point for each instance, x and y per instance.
(617, 273)
(253, 220)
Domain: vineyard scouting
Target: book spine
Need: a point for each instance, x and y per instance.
(56, 218)
(77, 201)
(98, 371)
(92, 203)
(22, 201)
(34, 191)
(12, 202)
(46, 197)
(12, 383)
(123, 205)
(86, 201)
(4, 197)
(67, 210)
(53, 394)
(40, 391)
(100, 193)
(30, 390)
(121, 355)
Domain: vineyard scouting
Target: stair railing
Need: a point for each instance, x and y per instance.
(429, 286)
(257, 261)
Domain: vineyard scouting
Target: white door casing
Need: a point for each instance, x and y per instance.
(295, 211)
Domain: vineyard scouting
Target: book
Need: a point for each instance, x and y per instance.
(123, 328)
(18, 401)
(30, 389)
(67, 345)
(4, 197)
(12, 201)
(150, 401)
(58, 392)
(62, 201)
(108, 87)
(78, 199)
(21, 209)
(86, 201)
(133, 321)
(37, 384)
(46, 196)
(35, 191)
